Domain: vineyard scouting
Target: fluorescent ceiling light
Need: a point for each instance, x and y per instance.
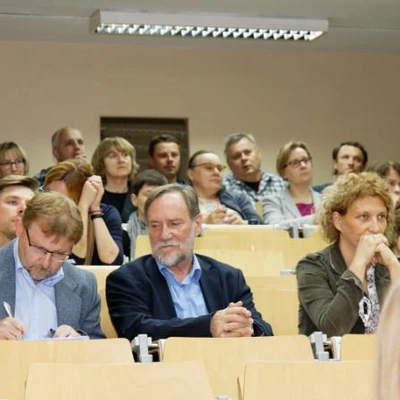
(219, 26)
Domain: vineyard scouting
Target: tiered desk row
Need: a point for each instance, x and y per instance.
(281, 367)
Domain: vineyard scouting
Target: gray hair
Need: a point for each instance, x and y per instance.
(187, 192)
(56, 135)
(233, 138)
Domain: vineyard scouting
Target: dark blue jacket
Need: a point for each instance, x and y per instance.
(240, 203)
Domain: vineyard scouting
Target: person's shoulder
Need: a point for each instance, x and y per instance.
(137, 267)
(271, 177)
(210, 263)
(77, 274)
(319, 260)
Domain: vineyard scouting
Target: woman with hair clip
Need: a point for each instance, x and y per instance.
(13, 160)
(101, 242)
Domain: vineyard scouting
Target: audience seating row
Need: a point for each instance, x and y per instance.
(224, 360)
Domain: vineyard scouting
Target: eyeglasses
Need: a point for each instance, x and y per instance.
(210, 166)
(297, 163)
(9, 164)
(40, 251)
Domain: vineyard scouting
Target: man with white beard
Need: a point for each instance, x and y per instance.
(174, 292)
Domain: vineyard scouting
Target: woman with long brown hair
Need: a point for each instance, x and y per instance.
(101, 242)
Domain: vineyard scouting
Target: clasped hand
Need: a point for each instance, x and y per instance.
(232, 321)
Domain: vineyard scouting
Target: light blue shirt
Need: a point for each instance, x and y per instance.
(187, 296)
(35, 304)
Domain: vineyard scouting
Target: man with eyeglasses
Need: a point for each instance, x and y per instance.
(67, 143)
(218, 205)
(15, 193)
(47, 296)
(244, 159)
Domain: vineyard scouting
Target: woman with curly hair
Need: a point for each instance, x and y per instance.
(341, 288)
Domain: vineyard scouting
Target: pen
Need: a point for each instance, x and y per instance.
(7, 309)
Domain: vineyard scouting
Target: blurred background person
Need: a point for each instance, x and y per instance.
(114, 159)
(165, 156)
(298, 203)
(101, 242)
(13, 159)
(390, 172)
(15, 193)
(142, 185)
(67, 143)
(341, 288)
(388, 347)
(347, 157)
(396, 236)
(217, 205)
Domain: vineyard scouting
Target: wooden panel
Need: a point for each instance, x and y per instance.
(225, 359)
(175, 381)
(17, 356)
(310, 380)
(101, 272)
(358, 347)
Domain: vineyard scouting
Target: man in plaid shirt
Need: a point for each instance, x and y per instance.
(244, 159)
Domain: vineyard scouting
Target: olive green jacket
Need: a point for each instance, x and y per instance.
(329, 293)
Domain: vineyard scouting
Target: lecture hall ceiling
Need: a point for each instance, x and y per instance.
(371, 26)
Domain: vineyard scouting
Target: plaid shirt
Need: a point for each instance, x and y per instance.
(269, 184)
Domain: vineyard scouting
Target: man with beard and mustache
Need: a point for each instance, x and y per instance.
(174, 292)
(47, 296)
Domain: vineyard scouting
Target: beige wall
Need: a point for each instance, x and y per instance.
(319, 98)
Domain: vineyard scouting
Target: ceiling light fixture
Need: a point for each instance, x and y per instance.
(219, 26)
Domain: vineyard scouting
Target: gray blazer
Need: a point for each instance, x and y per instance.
(77, 300)
(281, 209)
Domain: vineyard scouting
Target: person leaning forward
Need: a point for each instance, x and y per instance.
(174, 292)
(47, 296)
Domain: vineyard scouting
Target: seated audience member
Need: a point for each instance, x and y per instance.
(390, 172)
(217, 205)
(244, 159)
(347, 157)
(388, 347)
(15, 192)
(67, 143)
(101, 242)
(396, 236)
(174, 292)
(142, 185)
(43, 290)
(341, 288)
(114, 159)
(165, 156)
(13, 160)
(298, 203)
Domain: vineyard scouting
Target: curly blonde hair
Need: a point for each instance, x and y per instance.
(344, 192)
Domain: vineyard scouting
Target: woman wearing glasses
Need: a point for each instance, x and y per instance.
(217, 205)
(13, 160)
(296, 205)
